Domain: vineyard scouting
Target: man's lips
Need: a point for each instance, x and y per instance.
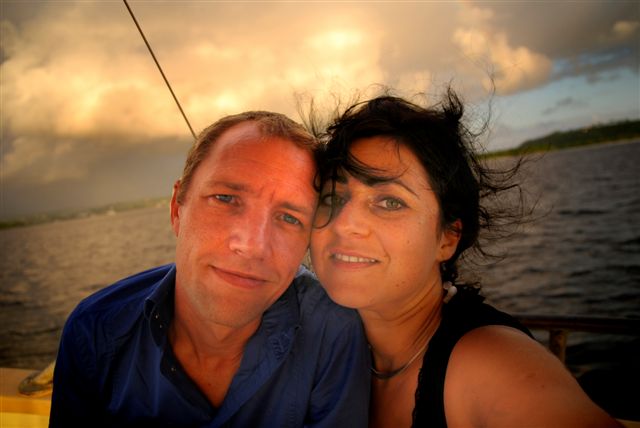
(239, 279)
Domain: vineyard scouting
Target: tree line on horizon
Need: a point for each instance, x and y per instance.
(595, 134)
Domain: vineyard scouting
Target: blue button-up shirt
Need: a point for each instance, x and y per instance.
(306, 365)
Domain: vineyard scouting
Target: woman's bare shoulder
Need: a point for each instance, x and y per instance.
(499, 376)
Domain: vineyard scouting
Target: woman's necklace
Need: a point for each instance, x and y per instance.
(393, 373)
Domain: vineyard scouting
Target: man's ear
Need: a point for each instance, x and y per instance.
(449, 240)
(175, 208)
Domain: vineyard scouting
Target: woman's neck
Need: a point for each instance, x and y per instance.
(397, 334)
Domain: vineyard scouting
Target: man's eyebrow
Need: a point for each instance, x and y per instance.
(239, 187)
(228, 184)
(302, 209)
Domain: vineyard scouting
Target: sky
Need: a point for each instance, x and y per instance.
(86, 119)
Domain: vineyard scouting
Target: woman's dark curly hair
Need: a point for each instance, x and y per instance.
(445, 147)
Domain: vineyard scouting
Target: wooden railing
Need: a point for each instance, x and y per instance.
(560, 326)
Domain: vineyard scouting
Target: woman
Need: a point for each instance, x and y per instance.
(400, 203)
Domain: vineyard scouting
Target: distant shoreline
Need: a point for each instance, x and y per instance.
(519, 151)
(110, 209)
(598, 134)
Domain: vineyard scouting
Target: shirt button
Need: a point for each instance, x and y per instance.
(160, 325)
(173, 369)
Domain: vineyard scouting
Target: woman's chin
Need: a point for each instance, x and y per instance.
(347, 298)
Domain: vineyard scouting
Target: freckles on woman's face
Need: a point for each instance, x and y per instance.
(383, 244)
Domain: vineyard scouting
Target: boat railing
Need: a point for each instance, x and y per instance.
(559, 327)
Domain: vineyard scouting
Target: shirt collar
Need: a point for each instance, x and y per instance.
(158, 307)
(279, 321)
(265, 352)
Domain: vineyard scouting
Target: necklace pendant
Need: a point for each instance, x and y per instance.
(393, 373)
(387, 375)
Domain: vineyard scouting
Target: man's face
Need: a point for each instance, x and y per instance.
(244, 225)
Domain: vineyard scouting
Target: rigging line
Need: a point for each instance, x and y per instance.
(160, 68)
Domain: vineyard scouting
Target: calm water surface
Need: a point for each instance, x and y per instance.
(582, 253)
(582, 257)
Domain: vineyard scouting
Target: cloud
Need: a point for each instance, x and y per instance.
(70, 80)
(513, 69)
(599, 36)
(44, 163)
(564, 29)
(564, 103)
(81, 95)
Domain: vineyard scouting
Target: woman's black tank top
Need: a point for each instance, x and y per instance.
(462, 314)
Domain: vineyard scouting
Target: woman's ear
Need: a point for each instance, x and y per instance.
(449, 240)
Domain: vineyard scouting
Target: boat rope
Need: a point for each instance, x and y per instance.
(159, 68)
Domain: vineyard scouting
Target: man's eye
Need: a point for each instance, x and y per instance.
(288, 218)
(227, 199)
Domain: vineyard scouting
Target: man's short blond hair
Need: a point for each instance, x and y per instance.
(269, 124)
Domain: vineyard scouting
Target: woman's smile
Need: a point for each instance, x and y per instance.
(352, 259)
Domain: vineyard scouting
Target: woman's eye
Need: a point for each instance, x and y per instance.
(326, 200)
(332, 200)
(391, 204)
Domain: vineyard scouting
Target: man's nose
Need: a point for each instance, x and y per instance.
(250, 234)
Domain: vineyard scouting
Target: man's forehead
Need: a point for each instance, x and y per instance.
(251, 134)
(244, 153)
(248, 131)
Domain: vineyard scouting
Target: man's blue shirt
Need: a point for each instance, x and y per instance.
(306, 365)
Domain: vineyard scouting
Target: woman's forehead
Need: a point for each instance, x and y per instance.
(384, 158)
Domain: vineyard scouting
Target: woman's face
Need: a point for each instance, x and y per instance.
(383, 246)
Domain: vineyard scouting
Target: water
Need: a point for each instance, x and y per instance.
(46, 269)
(582, 257)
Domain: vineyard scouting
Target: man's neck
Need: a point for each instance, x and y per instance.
(206, 340)
(210, 353)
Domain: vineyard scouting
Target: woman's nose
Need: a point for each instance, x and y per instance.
(350, 219)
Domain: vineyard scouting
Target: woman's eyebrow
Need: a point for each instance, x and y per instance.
(377, 181)
(373, 181)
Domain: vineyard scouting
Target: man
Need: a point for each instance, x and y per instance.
(235, 333)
